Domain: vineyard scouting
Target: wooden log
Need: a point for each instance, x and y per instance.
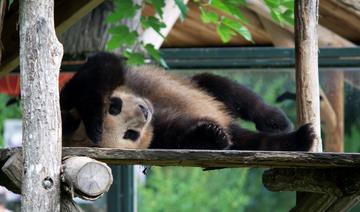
(40, 60)
(338, 182)
(81, 176)
(307, 75)
(88, 178)
(344, 203)
(212, 158)
(314, 202)
(13, 169)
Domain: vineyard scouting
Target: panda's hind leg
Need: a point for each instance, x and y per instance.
(244, 103)
(299, 140)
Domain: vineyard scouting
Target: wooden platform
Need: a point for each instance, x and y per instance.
(212, 158)
(331, 180)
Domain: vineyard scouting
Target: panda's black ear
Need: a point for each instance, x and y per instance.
(90, 86)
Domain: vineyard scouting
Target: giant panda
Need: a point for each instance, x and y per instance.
(108, 104)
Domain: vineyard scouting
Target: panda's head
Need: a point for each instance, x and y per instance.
(127, 121)
(98, 110)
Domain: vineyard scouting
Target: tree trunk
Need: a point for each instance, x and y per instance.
(307, 75)
(40, 59)
(94, 30)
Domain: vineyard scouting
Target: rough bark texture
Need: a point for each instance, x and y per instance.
(338, 181)
(313, 202)
(215, 158)
(307, 76)
(40, 59)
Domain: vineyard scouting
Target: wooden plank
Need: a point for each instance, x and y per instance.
(66, 14)
(211, 158)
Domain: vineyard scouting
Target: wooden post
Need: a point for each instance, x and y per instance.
(307, 76)
(40, 59)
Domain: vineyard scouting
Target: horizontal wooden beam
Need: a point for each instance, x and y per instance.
(211, 158)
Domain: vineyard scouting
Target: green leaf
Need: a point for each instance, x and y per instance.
(273, 4)
(276, 16)
(121, 35)
(229, 8)
(245, 33)
(208, 16)
(154, 53)
(154, 23)
(288, 16)
(182, 7)
(225, 32)
(239, 28)
(134, 58)
(289, 4)
(158, 6)
(123, 9)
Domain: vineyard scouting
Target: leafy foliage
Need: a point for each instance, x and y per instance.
(188, 189)
(224, 14)
(9, 112)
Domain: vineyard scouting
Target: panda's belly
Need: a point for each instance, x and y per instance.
(167, 91)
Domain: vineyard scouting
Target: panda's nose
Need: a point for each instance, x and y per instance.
(145, 111)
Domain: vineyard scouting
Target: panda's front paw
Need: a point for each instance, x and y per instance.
(209, 135)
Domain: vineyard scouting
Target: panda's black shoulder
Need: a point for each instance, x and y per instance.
(107, 70)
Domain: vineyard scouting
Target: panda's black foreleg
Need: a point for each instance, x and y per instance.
(244, 103)
(184, 132)
(299, 140)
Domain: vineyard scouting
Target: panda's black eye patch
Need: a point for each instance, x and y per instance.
(132, 135)
(115, 106)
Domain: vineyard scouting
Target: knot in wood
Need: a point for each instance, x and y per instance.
(47, 183)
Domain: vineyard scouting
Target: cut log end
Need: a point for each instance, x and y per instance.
(88, 178)
(94, 179)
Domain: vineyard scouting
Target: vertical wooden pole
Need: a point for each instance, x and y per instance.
(40, 58)
(307, 76)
